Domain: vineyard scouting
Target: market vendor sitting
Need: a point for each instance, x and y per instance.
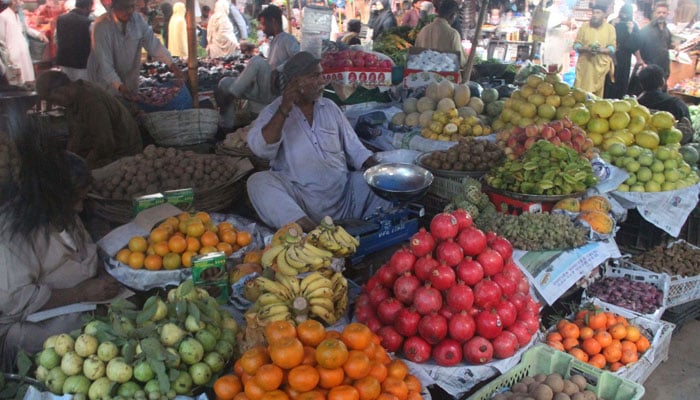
(315, 156)
(654, 97)
(257, 81)
(47, 258)
(100, 127)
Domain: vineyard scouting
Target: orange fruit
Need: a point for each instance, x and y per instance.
(311, 395)
(311, 332)
(618, 331)
(585, 333)
(237, 368)
(225, 226)
(172, 221)
(195, 229)
(252, 390)
(604, 338)
(597, 321)
(332, 335)
(243, 238)
(287, 352)
(309, 356)
(136, 260)
(358, 365)
(187, 258)
(611, 319)
(225, 247)
(193, 244)
(253, 359)
(331, 353)
(209, 239)
(183, 216)
(138, 244)
(123, 256)
(612, 354)
(207, 249)
(356, 336)
(303, 378)
(569, 343)
(629, 356)
(177, 244)
(554, 337)
(561, 323)
(597, 360)
(161, 248)
(150, 250)
(228, 236)
(278, 330)
(556, 345)
(368, 388)
(591, 346)
(395, 386)
(633, 334)
(343, 392)
(269, 377)
(387, 396)
(397, 369)
(202, 216)
(579, 354)
(569, 330)
(153, 262)
(172, 261)
(642, 344)
(329, 378)
(276, 395)
(158, 235)
(226, 387)
(413, 383)
(378, 370)
(413, 395)
(616, 366)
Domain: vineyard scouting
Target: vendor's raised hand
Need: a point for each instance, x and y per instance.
(291, 95)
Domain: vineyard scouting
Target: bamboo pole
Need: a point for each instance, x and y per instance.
(192, 52)
(475, 41)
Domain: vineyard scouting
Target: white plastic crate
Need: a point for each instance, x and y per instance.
(681, 289)
(660, 281)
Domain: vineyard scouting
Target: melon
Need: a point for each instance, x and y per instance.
(466, 112)
(446, 105)
(432, 91)
(445, 89)
(477, 104)
(489, 95)
(461, 95)
(412, 119)
(410, 105)
(426, 117)
(399, 118)
(494, 109)
(425, 104)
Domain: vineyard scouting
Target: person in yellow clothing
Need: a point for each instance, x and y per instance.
(177, 32)
(595, 44)
(439, 35)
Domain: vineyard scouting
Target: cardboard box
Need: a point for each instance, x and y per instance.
(180, 198)
(145, 202)
(209, 273)
(359, 76)
(417, 78)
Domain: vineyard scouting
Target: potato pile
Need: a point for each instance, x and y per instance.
(468, 155)
(158, 169)
(9, 160)
(549, 387)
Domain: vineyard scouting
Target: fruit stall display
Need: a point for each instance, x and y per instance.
(297, 280)
(175, 241)
(307, 361)
(167, 348)
(452, 296)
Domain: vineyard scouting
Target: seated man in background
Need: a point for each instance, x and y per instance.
(315, 156)
(654, 97)
(101, 129)
(353, 35)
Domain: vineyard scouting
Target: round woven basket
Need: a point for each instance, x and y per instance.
(211, 199)
(182, 128)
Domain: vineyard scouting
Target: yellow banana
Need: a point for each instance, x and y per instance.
(311, 260)
(271, 309)
(324, 302)
(311, 249)
(290, 282)
(282, 316)
(277, 288)
(322, 282)
(314, 235)
(322, 313)
(268, 298)
(322, 291)
(293, 259)
(308, 279)
(268, 257)
(328, 242)
(340, 307)
(344, 239)
(283, 266)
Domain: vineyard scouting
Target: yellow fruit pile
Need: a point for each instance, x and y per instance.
(173, 243)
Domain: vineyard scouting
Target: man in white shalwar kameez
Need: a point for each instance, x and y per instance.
(12, 33)
(316, 158)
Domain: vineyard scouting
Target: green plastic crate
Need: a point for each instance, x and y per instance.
(542, 359)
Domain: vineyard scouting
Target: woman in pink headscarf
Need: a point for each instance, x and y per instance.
(221, 40)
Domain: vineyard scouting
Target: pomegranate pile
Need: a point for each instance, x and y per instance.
(454, 295)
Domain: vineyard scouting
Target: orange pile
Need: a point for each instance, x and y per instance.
(174, 242)
(309, 363)
(602, 339)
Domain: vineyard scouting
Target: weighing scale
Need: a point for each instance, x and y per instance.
(401, 184)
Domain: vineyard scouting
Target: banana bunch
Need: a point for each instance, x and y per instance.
(317, 290)
(333, 238)
(295, 256)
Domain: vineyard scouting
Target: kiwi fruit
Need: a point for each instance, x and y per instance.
(527, 380)
(580, 381)
(540, 377)
(578, 396)
(561, 396)
(519, 387)
(542, 392)
(569, 387)
(555, 382)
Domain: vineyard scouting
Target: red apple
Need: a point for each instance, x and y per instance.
(548, 132)
(564, 135)
(555, 140)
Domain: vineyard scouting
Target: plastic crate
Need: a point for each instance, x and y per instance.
(447, 188)
(542, 359)
(680, 315)
(661, 281)
(681, 289)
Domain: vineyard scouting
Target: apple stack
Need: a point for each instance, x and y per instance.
(541, 99)
(455, 295)
(163, 350)
(517, 140)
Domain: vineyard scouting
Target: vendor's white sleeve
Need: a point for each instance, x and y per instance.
(256, 141)
(101, 53)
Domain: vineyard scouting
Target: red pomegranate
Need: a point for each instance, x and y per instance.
(432, 328)
(402, 261)
(386, 275)
(507, 284)
(406, 285)
(487, 293)
(488, 324)
(449, 252)
(389, 338)
(464, 219)
(478, 350)
(472, 241)
(388, 309)
(491, 261)
(443, 277)
(378, 294)
(427, 300)
(502, 246)
(520, 332)
(459, 297)
(469, 271)
(416, 349)
(407, 322)
(444, 226)
(508, 313)
(422, 243)
(505, 345)
(424, 266)
(461, 327)
(447, 353)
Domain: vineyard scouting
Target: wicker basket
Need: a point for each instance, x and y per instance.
(182, 128)
(210, 199)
